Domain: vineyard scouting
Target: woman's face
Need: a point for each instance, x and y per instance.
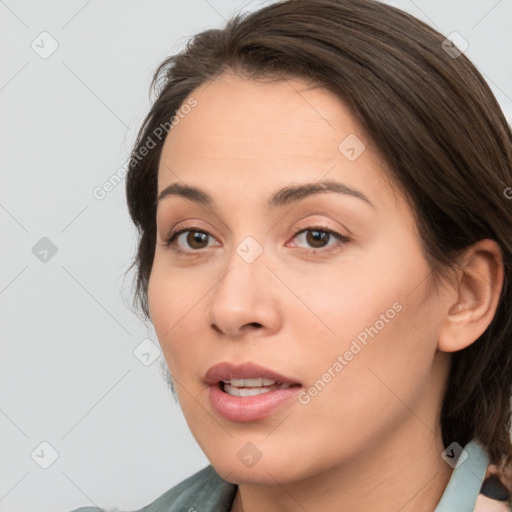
(348, 323)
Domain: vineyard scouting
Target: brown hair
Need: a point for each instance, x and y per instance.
(432, 118)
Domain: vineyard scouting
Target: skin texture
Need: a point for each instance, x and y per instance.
(375, 425)
(484, 504)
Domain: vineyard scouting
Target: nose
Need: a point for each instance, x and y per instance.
(244, 301)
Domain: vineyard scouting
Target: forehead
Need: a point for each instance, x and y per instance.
(283, 117)
(244, 132)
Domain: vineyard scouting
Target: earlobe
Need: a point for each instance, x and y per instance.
(479, 287)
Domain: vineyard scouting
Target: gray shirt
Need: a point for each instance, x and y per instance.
(206, 491)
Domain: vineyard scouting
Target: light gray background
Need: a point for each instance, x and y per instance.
(68, 373)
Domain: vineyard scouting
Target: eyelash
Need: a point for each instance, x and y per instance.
(171, 240)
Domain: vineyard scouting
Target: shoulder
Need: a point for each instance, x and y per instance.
(205, 491)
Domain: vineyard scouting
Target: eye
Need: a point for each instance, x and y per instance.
(319, 237)
(196, 238)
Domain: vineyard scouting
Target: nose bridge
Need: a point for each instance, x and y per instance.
(242, 296)
(245, 268)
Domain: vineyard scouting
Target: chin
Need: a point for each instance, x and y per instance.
(261, 475)
(268, 469)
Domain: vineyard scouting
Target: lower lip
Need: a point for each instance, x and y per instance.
(250, 408)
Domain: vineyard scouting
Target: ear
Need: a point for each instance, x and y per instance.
(473, 304)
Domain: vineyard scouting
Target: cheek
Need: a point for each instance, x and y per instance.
(380, 318)
(349, 296)
(371, 391)
(171, 305)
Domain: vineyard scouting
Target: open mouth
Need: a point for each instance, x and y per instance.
(252, 387)
(248, 392)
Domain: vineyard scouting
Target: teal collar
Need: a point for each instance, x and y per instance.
(464, 485)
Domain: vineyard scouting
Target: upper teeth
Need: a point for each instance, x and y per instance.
(251, 387)
(250, 383)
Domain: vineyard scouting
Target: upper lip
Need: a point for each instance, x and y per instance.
(227, 371)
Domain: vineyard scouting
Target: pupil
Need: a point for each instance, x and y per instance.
(196, 236)
(320, 236)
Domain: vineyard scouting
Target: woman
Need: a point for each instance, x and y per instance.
(322, 190)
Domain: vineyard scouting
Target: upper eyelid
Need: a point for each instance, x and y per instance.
(308, 226)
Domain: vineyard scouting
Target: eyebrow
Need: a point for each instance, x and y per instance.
(281, 197)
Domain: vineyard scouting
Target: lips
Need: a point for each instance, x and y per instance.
(227, 371)
(231, 399)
